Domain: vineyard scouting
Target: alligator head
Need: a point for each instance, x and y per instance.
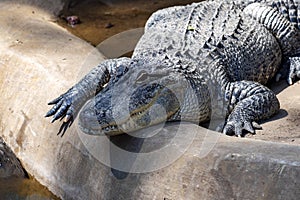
(137, 96)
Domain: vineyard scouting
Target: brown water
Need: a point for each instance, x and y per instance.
(27, 189)
(15, 183)
(101, 19)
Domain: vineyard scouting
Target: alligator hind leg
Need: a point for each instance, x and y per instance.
(286, 29)
(249, 102)
(290, 70)
(294, 69)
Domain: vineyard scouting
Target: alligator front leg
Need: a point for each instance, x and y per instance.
(67, 105)
(249, 102)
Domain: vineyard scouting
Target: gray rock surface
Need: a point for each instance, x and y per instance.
(36, 55)
(9, 164)
(52, 7)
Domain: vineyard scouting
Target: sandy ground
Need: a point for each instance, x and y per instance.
(284, 126)
(102, 19)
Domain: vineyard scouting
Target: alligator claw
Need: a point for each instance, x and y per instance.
(60, 112)
(256, 125)
(54, 109)
(67, 117)
(64, 109)
(65, 125)
(54, 101)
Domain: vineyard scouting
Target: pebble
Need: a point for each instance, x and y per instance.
(109, 25)
(73, 20)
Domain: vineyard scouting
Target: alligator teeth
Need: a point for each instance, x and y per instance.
(137, 113)
(110, 128)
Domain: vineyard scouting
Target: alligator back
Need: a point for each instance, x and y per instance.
(193, 33)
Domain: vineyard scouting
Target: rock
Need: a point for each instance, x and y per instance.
(72, 20)
(40, 60)
(52, 7)
(10, 166)
(36, 54)
(109, 25)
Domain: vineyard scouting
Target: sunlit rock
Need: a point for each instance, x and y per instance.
(10, 166)
(39, 60)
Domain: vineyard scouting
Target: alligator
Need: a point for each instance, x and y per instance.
(205, 61)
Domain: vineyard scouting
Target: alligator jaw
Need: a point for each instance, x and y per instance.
(96, 117)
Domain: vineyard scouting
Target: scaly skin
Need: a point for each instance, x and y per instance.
(198, 62)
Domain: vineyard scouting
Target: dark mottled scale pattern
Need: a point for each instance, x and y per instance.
(225, 50)
(223, 43)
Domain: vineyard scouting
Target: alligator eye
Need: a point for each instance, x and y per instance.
(142, 77)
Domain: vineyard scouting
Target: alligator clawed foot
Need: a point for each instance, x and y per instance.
(64, 108)
(237, 127)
